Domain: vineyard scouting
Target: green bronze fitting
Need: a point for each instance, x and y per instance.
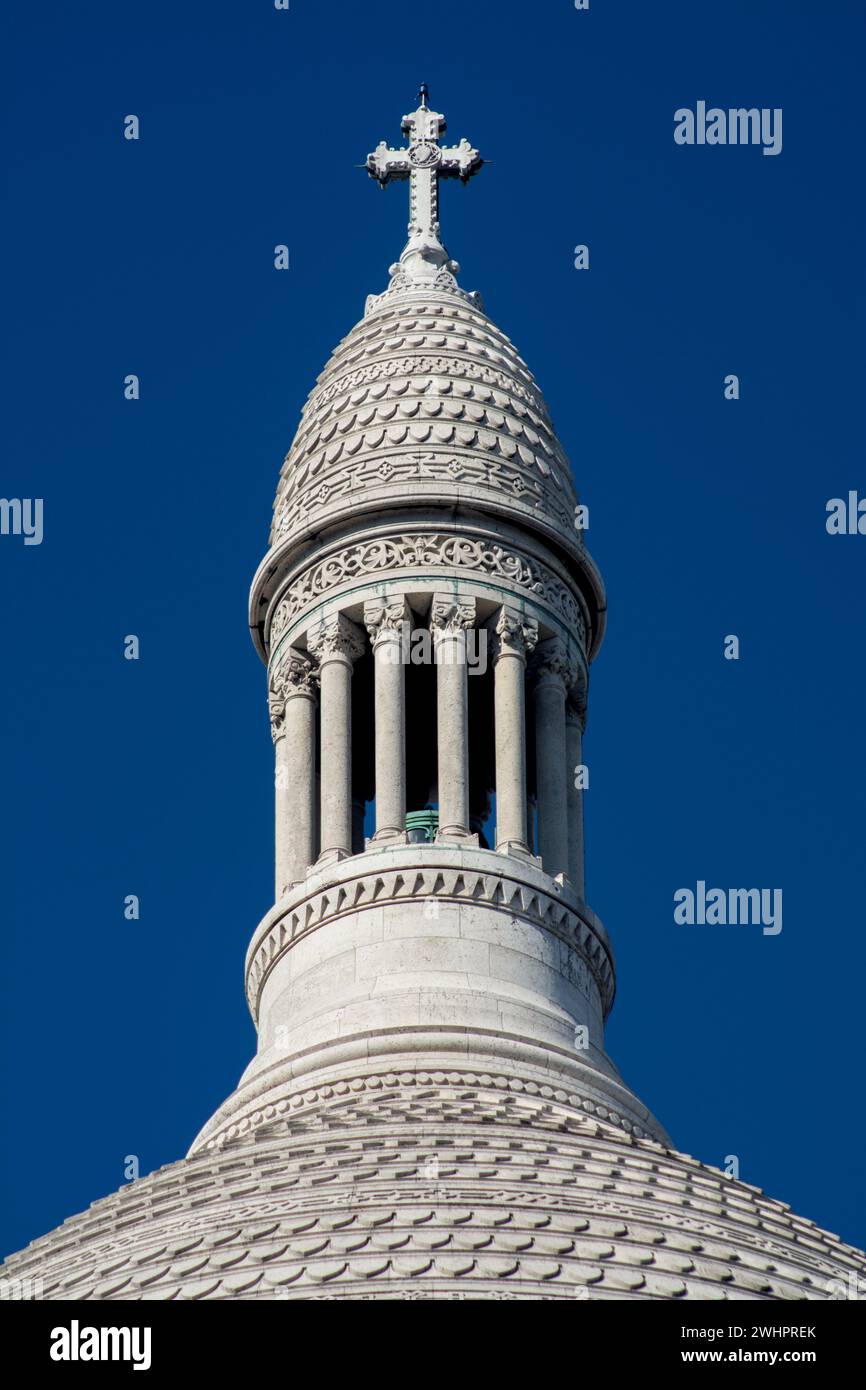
(421, 826)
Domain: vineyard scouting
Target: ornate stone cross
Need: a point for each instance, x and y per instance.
(424, 163)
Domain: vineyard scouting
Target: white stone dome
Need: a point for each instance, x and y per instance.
(438, 1186)
(426, 398)
(426, 409)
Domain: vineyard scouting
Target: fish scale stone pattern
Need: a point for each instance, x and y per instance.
(437, 1191)
(431, 1112)
(425, 393)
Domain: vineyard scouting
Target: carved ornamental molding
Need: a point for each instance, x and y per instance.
(588, 1100)
(386, 368)
(390, 555)
(397, 466)
(425, 881)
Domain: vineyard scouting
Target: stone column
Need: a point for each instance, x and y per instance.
(337, 644)
(387, 621)
(513, 638)
(292, 705)
(575, 723)
(450, 618)
(550, 672)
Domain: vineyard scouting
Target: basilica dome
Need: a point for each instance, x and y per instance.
(438, 1187)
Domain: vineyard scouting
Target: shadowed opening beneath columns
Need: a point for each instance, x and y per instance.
(531, 777)
(482, 755)
(421, 769)
(363, 750)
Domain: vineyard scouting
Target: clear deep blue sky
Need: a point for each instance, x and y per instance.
(707, 518)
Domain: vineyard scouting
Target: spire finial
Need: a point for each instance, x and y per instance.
(424, 162)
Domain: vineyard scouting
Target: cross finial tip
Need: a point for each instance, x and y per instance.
(424, 162)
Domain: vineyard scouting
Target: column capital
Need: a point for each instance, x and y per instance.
(513, 633)
(576, 706)
(385, 617)
(551, 662)
(336, 638)
(294, 675)
(450, 614)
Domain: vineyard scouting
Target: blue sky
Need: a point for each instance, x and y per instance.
(707, 518)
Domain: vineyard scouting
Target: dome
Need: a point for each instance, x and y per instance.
(425, 399)
(426, 409)
(430, 1187)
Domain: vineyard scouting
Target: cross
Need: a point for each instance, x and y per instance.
(424, 163)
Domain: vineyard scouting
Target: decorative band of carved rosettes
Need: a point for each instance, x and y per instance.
(383, 1083)
(414, 882)
(395, 466)
(391, 554)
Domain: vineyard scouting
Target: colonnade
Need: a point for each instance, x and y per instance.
(524, 668)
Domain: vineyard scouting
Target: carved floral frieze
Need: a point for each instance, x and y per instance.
(393, 554)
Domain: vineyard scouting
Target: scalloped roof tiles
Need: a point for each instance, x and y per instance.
(423, 381)
(451, 1195)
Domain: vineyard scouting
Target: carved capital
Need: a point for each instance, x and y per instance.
(277, 712)
(337, 638)
(386, 617)
(576, 706)
(450, 615)
(513, 634)
(295, 675)
(551, 661)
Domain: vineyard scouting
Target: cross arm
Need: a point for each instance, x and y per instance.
(386, 163)
(460, 161)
